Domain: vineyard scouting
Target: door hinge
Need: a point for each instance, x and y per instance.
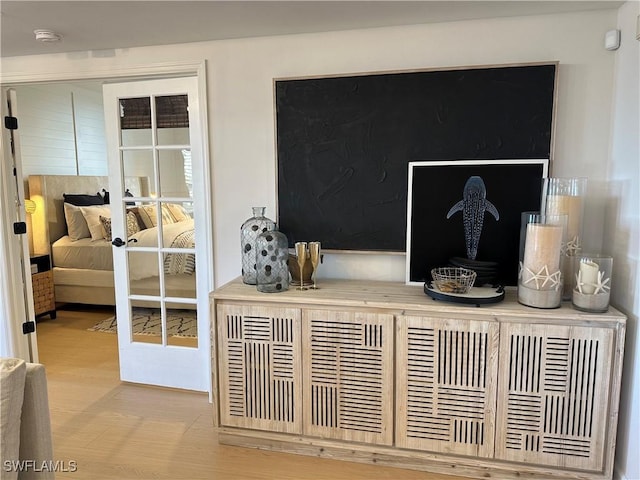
(19, 228)
(28, 327)
(10, 123)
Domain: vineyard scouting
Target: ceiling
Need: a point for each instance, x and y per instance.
(99, 25)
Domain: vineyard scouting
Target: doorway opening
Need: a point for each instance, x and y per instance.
(85, 147)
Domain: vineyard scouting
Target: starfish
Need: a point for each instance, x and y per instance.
(543, 275)
(600, 286)
(572, 247)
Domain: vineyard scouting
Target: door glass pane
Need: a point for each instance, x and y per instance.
(143, 272)
(173, 180)
(179, 255)
(135, 122)
(172, 120)
(181, 285)
(149, 216)
(182, 326)
(181, 212)
(146, 323)
(139, 163)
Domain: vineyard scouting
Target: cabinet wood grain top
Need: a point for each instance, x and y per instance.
(401, 298)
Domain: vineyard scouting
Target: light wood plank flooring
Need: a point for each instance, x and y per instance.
(116, 430)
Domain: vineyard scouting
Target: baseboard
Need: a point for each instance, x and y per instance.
(617, 475)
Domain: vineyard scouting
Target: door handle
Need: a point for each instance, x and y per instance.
(117, 242)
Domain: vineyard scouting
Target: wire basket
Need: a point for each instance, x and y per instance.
(453, 279)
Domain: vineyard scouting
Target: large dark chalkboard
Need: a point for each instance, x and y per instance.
(344, 143)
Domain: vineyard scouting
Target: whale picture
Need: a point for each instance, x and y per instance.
(469, 212)
(474, 205)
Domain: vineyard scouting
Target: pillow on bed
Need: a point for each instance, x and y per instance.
(82, 200)
(148, 215)
(76, 224)
(177, 211)
(106, 227)
(134, 210)
(132, 225)
(92, 216)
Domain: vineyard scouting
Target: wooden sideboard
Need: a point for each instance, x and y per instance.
(378, 372)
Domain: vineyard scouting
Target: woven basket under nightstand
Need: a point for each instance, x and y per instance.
(42, 284)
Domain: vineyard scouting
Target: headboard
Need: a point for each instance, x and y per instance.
(47, 222)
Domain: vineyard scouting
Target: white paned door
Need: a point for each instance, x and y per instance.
(16, 295)
(158, 212)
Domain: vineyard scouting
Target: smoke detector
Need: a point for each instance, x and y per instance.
(45, 35)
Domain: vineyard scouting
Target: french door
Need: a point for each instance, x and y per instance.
(159, 206)
(16, 296)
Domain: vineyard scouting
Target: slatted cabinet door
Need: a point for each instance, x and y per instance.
(446, 384)
(260, 373)
(348, 367)
(553, 394)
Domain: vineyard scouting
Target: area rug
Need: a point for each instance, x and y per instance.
(146, 321)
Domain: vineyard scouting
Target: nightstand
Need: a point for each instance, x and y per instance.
(42, 283)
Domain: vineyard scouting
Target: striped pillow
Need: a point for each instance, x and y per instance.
(148, 215)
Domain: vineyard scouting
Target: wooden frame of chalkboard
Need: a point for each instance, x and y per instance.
(343, 143)
(449, 202)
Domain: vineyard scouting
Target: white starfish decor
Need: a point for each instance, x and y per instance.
(572, 247)
(541, 278)
(601, 285)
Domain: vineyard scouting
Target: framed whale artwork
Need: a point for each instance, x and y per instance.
(468, 213)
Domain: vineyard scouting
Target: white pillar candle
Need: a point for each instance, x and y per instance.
(571, 206)
(542, 248)
(588, 276)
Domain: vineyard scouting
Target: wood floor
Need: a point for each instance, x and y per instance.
(115, 430)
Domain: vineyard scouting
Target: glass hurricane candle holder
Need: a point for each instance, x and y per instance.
(592, 282)
(565, 196)
(540, 276)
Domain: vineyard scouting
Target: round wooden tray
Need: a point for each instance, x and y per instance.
(475, 296)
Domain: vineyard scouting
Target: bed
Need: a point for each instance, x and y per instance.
(83, 267)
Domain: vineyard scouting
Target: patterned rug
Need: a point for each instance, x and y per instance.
(146, 321)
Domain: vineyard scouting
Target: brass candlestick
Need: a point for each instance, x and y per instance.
(314, 253)
(301, 253)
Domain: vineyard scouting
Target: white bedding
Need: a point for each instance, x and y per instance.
(83, 277)
(141, 264)
(84, 253)
(98, 254)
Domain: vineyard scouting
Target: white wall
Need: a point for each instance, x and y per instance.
(62, 129)
(241, 120)
(91, 142)
(241, 113)
(622, 231)
(241, 103)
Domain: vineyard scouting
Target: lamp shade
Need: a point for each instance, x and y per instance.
(29, 206)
